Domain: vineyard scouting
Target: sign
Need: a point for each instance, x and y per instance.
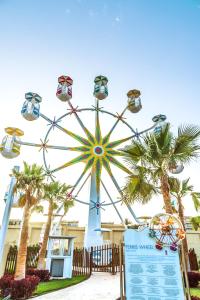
(150, 274)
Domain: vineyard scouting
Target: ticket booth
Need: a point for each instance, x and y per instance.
(60, 256)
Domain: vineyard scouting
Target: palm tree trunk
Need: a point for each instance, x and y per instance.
(43, 248)
(185, 244)
(166, 194)
(20, 272)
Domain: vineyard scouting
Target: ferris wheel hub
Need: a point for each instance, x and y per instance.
(98, 150)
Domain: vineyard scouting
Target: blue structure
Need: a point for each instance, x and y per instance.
(5, 221)
(31, 107)
(160, 123)
(60, 256)
(92, 235)
(100, 87)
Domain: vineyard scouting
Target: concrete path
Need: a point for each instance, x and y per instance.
(100, 286)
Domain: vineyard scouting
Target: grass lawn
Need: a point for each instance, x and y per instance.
(57, 284)
(195, 292)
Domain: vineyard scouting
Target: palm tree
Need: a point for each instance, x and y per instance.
(54, 193)
(180, 189)
(29, 184)
(155, 156)
(66, 206)
(195, 222)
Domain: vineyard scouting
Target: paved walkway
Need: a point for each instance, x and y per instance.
(100, 286)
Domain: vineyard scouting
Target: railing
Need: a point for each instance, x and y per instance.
(31, 260)
(105, 258)
(81, 262)
(11, 260)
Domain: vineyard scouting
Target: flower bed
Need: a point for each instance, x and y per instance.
(18, 289)
(194, 278)
(44, 275)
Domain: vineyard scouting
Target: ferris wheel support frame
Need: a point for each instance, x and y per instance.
(94, 219)
(97, 152)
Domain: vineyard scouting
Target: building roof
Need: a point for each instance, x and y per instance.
(62, 237)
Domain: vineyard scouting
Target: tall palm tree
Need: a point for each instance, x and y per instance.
(54, 193)
(29, 184)
(156, 154)
(180, 189)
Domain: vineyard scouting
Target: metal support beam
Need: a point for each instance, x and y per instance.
(5, 221)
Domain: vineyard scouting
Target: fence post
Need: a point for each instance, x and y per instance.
(187, 287)
(113, 260)
(121, 272)
(91, 259)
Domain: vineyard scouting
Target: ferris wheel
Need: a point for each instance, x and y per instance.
(167, 230)
(97, 151)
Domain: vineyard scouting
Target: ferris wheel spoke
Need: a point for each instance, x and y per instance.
(87, 167)
(44, 145)
(136, 135)
(97, 125)
(119, 117)
(172, 238)
(146, 130)
(113, 203)
(115, 162)
(83, 184)
(108, 169)
(87, 132)
(119, 142)
(78, 159)
(77, 137)
(113, 152)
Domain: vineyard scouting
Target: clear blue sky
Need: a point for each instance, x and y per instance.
(152, 45)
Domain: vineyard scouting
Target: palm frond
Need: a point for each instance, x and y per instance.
(67, 205)
(195, 221)
(186, 187)
(38, 209)
(196, 200)
(175, 185)
(138, 189)
(186, 144)
(189, 130)
(164, 139)
(134, 152)
(29, 180)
